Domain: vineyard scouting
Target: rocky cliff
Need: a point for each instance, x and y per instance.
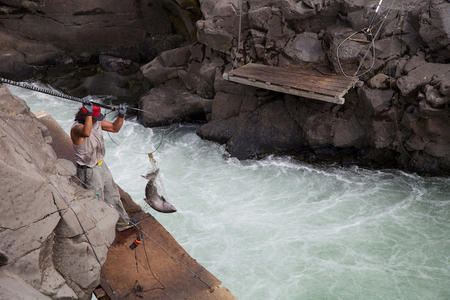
(398, 116)
(44, 252)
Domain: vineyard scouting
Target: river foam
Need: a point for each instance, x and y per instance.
(280, 229)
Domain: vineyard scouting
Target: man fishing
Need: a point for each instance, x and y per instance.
(87, 138)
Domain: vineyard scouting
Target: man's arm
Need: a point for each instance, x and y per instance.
(112, 127)
(117, 124)
(78, 133)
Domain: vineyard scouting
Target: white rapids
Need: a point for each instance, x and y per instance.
(281, 229)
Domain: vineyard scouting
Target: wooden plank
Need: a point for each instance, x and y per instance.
(289, 77)
(337, 79)
(286, 90)
(300, 70)
(295, 82)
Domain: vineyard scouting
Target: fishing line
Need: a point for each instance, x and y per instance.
(368, 30)
(176, 259)
(163, 137)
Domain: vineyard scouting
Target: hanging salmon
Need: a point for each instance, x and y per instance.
(152, 197)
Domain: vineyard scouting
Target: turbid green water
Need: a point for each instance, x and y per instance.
(280, 229)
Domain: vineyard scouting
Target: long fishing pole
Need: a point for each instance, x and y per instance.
(370, 27)
(50, 92)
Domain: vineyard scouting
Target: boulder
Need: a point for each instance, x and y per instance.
(443, 82)
(383, 134)
(278, 32)
(344, 54)
(414, 62)
(267, 130)
(348, 133)
(166, 65)
(376, 101)
(226, 106)
(434, 98)
(127, 88)
(305, 48)
(428, 111)
(389, 48)
(219, 27)
(116, 64)
(220, 131)
(170, 103)
(435, 26)
(439, 149)
(18, 55)
(379, 81)
(420, 76)
(199, 77)
(257, 130)
(318, 129)
(211, 34)
(415, 143)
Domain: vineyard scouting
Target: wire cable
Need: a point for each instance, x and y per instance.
(367, 30)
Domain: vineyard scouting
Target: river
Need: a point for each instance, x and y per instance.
(281, 229)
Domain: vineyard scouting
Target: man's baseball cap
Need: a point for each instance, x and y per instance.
(96, 113)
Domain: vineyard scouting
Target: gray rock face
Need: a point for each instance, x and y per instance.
(420, 76)
(376, 101)
(305, 48)
(170, 103)
(435, 27)
(39, 234)
(221, 18)
(166, 65)
(12, 287)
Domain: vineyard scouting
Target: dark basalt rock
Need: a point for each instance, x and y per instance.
(381, 125)
(172, 103)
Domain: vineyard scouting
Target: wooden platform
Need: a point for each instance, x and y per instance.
(295, 80)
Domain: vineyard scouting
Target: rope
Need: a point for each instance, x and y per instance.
(372, 44)
(176, 259)
(240, 24)
(239, 35)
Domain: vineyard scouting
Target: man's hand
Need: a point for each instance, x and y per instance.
(87, 104)
(122, 110)
(89, 108)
